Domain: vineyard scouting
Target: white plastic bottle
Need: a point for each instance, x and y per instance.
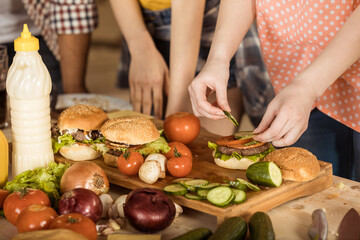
(28, 84)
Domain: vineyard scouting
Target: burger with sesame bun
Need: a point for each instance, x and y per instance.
(78, 135)
(239, 151)
(131, 132)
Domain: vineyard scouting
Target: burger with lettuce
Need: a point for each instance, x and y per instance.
(77, 135)
(239, 151)
(136, 133)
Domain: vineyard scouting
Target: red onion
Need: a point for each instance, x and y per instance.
(149, 210)
(83, 201)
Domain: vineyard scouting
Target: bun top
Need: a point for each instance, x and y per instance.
(83, 117)
(132, 130)
(296, 164)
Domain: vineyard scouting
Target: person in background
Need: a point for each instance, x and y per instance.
(152, 47)
(312, 53)
(63, 29)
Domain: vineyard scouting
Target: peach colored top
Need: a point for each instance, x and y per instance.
(293, 34)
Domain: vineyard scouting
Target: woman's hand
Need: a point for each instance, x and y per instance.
(213, 78)
(148, 74)
(286, 118)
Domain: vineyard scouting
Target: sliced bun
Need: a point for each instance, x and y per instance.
(85, 117)
(296, 164)
(110, 159)
(132, 130)
(78, 152)
(234, 163)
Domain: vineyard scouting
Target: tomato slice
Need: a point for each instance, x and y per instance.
(245, 143)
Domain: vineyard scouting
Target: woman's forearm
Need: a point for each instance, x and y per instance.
(184, 49)
(234, 20)
(129, 18)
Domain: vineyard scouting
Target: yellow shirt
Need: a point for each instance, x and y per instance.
(155, 5)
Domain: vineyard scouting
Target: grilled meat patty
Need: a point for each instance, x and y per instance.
(244, 152)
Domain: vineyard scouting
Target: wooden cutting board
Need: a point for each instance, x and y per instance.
(205, 168)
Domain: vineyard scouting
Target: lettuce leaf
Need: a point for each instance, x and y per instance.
(68, 139)
(45, 179)
(236, 155)
(158, 146)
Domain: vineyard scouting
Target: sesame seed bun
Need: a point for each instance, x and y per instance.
(296, 164)
(85, 117)
(132, 130)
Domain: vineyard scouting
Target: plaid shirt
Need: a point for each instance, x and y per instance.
(55, 17)
(247, 68)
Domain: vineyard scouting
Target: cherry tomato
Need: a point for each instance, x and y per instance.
(180, 148)
(17, 201)
(129, 162)
(77, 223)
(35, 217)
(179, 166)
(181, 127)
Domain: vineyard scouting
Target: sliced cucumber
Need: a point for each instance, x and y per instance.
(178, 180)
(193, 196)
(240, 196)
(248, 184)
(264, 173)
(203, 193)
(238, 185)
(196, 183)
(244, 135)
(175, 189)
(209, 186)
(231, 117)
(220, 196)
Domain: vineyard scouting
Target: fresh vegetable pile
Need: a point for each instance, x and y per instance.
(44, 179)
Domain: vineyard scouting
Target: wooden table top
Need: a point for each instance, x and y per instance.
(290, 220)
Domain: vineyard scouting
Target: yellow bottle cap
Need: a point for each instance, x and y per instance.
(26, 42)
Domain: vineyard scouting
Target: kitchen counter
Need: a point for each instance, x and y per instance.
(290, 220)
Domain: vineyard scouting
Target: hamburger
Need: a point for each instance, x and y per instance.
(296, 164)
(77, 134)
(131, 132)
(239, 151)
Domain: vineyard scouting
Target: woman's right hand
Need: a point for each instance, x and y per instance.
(212, 78)
(148, 74)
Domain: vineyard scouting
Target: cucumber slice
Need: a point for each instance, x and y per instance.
(248, 184)
(244, 135)
(264, 173)
(193, 196)
(175, 189)
(178, 180)
(220, 196)
(202, 193)
(240, 196)
(196, 183)
(209, 186)
(231, 118)
(238, 185)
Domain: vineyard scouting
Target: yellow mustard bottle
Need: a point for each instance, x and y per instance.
(4, 159)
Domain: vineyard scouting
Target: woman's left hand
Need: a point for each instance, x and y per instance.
(286, 118)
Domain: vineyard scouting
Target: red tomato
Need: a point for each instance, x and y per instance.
(181, 127)
(179, 166)
(35, 217)
(180, 148)
(77, 223)
(129, 162)
(17, 201)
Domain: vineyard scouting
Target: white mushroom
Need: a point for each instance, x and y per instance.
(161, 159)
(107, 201)
(178, 209)
(150, 171)
(120, 201)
